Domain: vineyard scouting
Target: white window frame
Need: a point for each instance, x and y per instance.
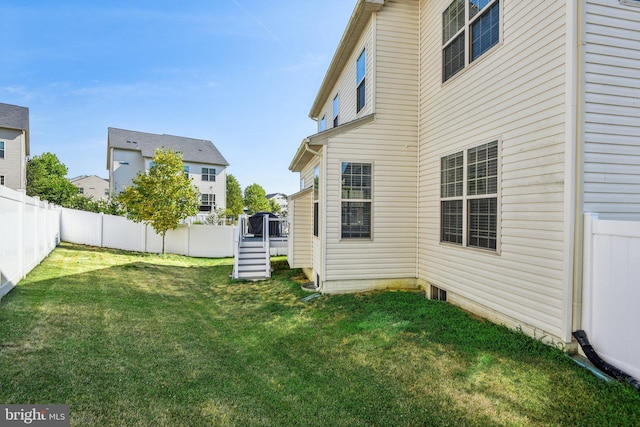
(209, 173)
(3, 149)
(210, 200)
(465, 30)
(466, 198)
(370, 201)
(361, 83)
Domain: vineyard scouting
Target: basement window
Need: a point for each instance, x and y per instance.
(438, 294)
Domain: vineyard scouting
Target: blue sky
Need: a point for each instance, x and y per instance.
(241, 73)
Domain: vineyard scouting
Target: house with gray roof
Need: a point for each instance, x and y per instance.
(92, 186)
(130, 152)
(14, 146)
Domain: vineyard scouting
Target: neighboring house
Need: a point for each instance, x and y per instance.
(459, 144)
(130, 152)
(281, 200)
(92, 186)
(14, 146)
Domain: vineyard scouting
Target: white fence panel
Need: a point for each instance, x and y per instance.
(177, 241)
(81, 227)
(611, 291)
(211, 241)
(207, 241)
(122, 233)
(29, 231)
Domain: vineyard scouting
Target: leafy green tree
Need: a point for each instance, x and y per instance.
(89, 204)
(162, 197)
(235, 203)
(274, 206)
(255, 198)
(46, 179)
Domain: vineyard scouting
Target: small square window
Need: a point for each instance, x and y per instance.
(208, 174)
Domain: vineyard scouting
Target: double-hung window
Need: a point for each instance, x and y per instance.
(208, 174)
(336, 110)
(316, 201)
(469, 29)
(361, 68)
(1, 149)
(356, 200)
(469, 197)
(207, 202)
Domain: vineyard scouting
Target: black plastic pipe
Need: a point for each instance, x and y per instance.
(605, 367)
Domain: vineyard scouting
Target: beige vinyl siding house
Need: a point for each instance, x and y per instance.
(488, 139)
(14, 146)
(92, 186)
(612, 110)
(381, 135)
(513, 94)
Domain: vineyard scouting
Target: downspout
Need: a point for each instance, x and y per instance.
(572, 178)
(605, 367)
(578, 270)
(418, 156)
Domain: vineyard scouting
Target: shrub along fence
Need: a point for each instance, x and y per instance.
(116, 232)
(29, 231)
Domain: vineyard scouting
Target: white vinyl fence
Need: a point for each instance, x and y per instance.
(29, 231)
(611, 291)
(116, 232)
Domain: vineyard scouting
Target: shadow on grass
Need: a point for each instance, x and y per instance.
(143, 342)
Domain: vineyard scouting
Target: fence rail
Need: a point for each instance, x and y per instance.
(611, 290)
(116, 232)
(29, 231)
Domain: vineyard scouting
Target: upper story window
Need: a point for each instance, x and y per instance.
(469, 197)
(323, 124)
(336, 110)
(1, 149)
(316, 201)
(186, 172)
(208, 174)
(1, 179)
(361, 70)
(469, 29)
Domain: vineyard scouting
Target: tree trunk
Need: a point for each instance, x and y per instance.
(163, 234)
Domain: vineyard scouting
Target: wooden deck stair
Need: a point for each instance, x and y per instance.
(253, 261)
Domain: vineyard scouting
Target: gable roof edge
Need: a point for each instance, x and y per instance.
(357, 24)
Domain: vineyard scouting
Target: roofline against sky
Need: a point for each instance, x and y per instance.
(351, 36)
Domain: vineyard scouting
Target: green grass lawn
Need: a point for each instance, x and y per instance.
(144, 340)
